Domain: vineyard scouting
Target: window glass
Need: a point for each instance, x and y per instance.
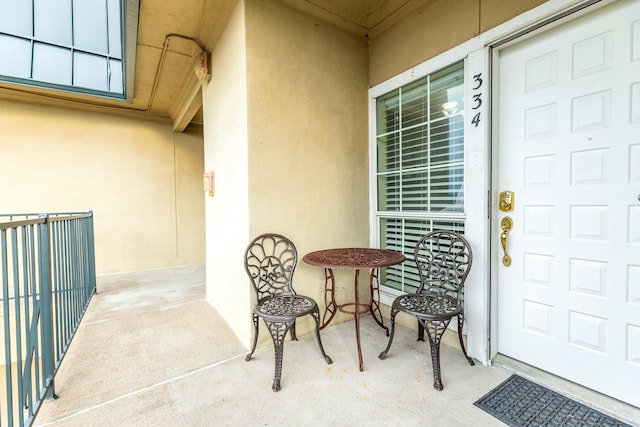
(15, 18)
(420, 166)
(113, 20)
(388, 112)
(15, 57)
(51, 64)
(90, 25)
(402, 234)
(56, 43)
(90, 71)
(415, 103)
(115, 76)
(52, 21)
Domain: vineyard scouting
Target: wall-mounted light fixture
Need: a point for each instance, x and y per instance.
(209, 183)
(201, 66)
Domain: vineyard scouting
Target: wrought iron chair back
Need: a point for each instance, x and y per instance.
(270, 262)
(444, 260)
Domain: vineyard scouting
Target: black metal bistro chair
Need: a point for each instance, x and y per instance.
(443, 259)
(270, 260)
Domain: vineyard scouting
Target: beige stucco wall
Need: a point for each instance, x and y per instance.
(435, 28)
(304, 153)
(142, 181)
(308, 150)
(225, 136)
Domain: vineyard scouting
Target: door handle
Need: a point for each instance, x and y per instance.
(506, 224)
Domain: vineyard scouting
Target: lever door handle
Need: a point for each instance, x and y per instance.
(506, 224)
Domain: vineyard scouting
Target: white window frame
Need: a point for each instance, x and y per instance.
(472, 187)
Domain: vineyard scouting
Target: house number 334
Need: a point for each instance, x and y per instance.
(477, 98)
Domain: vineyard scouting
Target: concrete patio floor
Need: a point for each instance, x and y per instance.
(152, 352)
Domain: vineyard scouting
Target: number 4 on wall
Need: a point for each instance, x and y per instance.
(476, 119)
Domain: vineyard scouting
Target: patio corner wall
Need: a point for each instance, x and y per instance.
(300, 165)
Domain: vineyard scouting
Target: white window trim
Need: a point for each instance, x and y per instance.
(478, 203)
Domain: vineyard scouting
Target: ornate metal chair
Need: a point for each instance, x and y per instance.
(443, 259)
(270, 260)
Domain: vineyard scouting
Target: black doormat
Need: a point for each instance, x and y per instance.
(518, 402)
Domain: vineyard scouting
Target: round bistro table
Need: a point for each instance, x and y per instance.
(353, 259)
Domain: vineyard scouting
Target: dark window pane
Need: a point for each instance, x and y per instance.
(388, 113)
(388, 153)
(415, 147)
(415, 103)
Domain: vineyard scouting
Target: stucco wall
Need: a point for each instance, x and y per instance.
(308, 152)
(141, 180)
(435, 28)
(299, 164)
(225, 136)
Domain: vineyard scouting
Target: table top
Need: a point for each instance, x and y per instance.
(354, 258)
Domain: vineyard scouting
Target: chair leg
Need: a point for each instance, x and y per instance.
(464, 350)
(316, 317)
(435, 329)
(294, 337)
(255, 338)
(278, 331)
(382, 355)
(420, 331)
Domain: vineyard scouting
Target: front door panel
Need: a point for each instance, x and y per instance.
(568, 144)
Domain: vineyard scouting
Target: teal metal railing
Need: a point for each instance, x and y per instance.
(47, 273)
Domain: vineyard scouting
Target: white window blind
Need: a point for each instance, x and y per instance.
(419, 166)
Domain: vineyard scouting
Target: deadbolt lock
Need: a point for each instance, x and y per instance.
(506, 201)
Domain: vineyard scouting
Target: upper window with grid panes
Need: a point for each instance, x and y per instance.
(73, 45)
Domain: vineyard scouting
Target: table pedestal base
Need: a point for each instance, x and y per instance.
(354, 308)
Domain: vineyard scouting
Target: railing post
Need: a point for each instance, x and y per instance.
(44, 257)
(4, 266)
(92, 255)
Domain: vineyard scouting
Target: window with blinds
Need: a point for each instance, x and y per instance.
(63, 44)
(420, 166)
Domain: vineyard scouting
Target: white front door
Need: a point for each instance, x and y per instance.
(568, 145)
